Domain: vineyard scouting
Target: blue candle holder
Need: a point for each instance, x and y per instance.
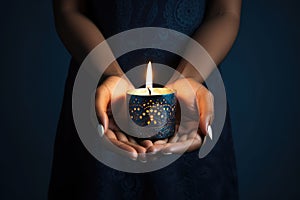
(152, 116)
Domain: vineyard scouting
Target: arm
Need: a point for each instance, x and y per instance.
(216, 34)
(80, 35)
(77, 32)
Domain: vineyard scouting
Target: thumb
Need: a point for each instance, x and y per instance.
(205, 104)
(102, 101)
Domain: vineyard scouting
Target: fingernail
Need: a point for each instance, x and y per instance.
(133, 158)
(204, 140)
(142, 158)
(100, 130)
(152, 152)
(209, 131)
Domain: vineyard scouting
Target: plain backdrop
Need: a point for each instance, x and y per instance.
(260, 73)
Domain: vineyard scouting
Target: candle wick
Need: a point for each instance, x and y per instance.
(149, 91)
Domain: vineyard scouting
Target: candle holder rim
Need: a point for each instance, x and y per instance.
(131, 91)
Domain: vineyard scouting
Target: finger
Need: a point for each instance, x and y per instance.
(193, 135)
(110, 135)
(132, 140)
(120, 140)
(140, 150)
(183, 138)
(125, 149)
(154, 149)
(196, 143)
(187, 127)
(153, 157)
(137, 147)
(112, 124)
(146, 143)
(101, 103)
(174, 138)
(181, 147)
(142, 157)
(205, 103)
(121, 136)
(161, 141)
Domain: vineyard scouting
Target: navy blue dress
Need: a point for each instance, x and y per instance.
(78, 175)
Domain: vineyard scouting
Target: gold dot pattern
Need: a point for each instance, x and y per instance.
(153, 111)
(149, 112)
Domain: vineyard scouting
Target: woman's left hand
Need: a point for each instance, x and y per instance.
(195, 117)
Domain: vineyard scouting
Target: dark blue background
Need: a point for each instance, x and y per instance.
(261, 74)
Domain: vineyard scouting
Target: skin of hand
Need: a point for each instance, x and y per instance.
(196, 103)
(113, 92)
(197, 113)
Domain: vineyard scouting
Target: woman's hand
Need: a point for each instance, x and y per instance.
(196, 115)
(113, 92)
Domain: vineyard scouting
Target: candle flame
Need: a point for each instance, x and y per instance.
(149, 76)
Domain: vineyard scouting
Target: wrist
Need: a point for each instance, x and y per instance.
(187, 70)
(118, 81)
(113, 70)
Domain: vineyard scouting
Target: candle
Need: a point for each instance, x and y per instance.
(151, 110)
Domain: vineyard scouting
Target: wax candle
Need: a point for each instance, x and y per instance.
(151, 110)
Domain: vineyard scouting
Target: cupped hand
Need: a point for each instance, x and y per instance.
(113, 92)
(195, 117)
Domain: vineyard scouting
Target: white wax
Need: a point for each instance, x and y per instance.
(154, 91)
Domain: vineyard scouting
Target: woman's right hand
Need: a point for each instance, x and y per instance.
(113, 92)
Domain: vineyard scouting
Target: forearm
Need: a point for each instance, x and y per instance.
(216, 35)
(78, 33)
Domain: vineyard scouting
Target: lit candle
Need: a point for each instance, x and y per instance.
(151, 110)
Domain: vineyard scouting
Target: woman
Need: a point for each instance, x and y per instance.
(82, 25)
